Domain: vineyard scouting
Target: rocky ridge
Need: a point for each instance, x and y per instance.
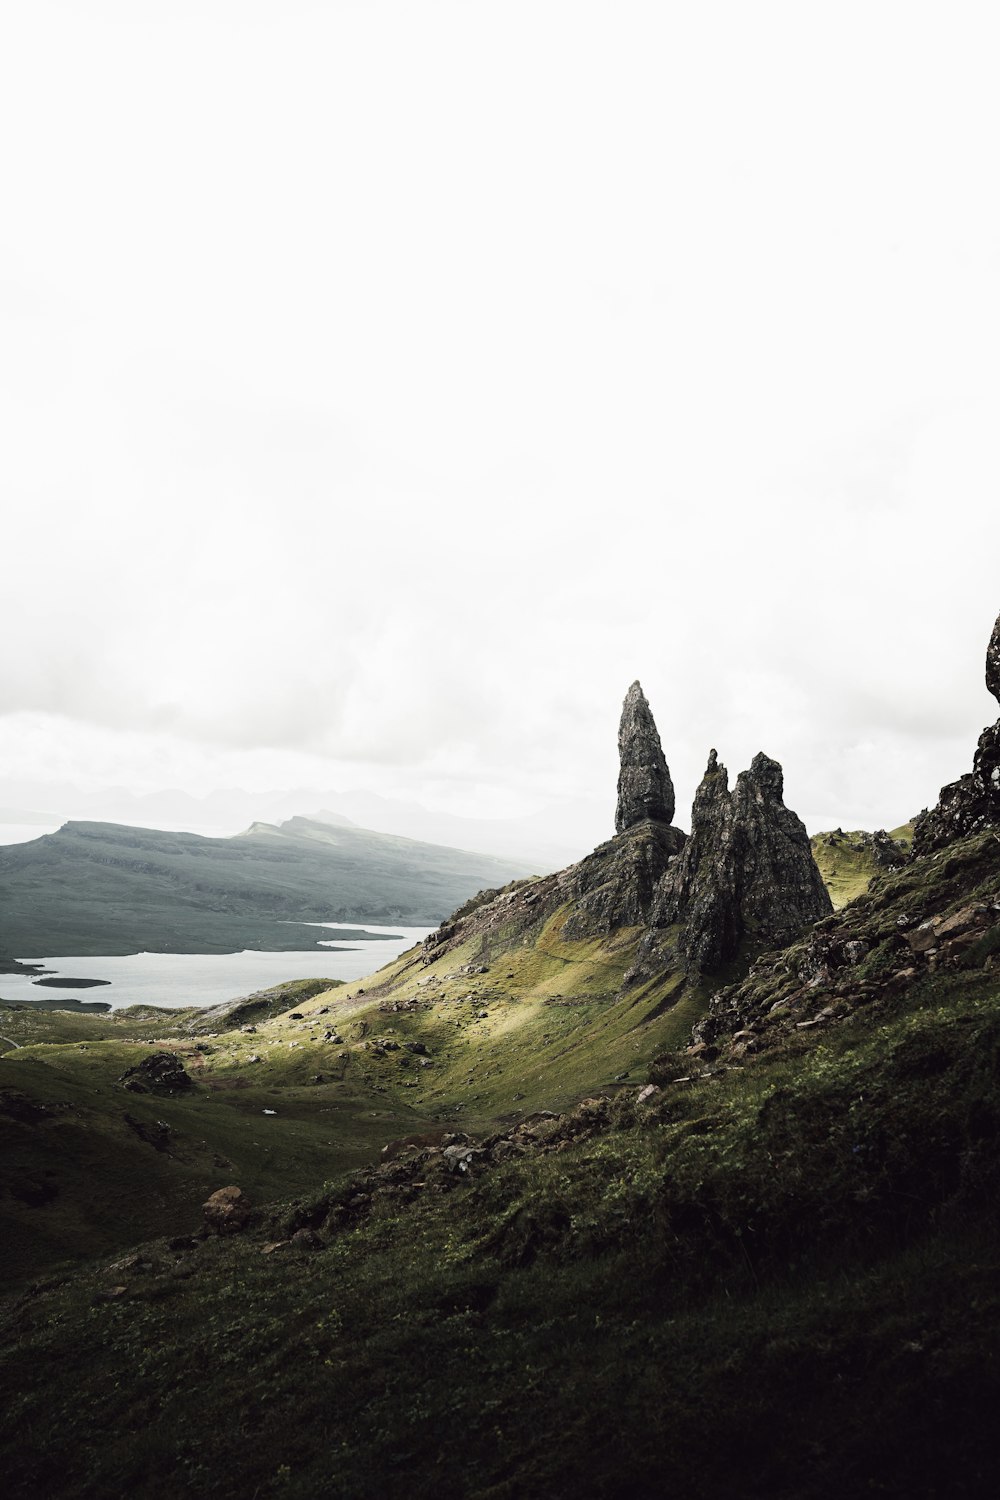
(934, 915)
(883, 850)
(937, 911)
(973, 801)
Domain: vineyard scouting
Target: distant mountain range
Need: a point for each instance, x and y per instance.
(555, 836)
(94, 888)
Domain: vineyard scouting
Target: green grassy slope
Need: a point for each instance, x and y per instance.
(102, 888)
(849, 861)
(546, 1022)
(776, 1275)
(86, 1166)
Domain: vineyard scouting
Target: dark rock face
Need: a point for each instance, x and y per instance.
(781, 888)
(700, 891)
(747, 870)
(911, 922)
(993, 662)
(616, 886)
(972, 803)
(644, 786)
(160, 1073)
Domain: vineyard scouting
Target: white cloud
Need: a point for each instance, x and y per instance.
(386, 386)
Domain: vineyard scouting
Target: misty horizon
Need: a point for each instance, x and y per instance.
(432, 373)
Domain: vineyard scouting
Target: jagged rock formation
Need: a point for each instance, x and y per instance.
(644, 786)
(993, 662)
(747, 870)
(159, 1073)
(701, 891)
(973, 802)
(939, 918)
(617, 885)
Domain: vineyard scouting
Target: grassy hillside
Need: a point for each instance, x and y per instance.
(87, 1166)
(345, 1068)
(774, 1272)
(101, 888)
(848, 862)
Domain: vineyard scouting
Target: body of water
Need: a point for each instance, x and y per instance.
(180, 979)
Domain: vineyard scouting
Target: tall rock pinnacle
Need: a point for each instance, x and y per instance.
(993, 662)
(973, 802)
(747, 871)
(644, 786)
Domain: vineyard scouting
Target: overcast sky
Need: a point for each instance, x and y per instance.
(385, 386)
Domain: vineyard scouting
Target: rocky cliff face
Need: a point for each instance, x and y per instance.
(701, 891)
(746, 872)
(617, 885)
(644, 786)
(972, 803)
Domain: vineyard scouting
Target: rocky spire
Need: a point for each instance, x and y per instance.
(644, 786)
(747, 871)
(781, 889)
(698, 890)
(973, 802)
(993, 662)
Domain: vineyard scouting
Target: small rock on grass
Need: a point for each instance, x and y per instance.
(226, 1211)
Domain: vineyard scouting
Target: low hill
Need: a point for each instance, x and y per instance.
(848, 862)
(96, 888)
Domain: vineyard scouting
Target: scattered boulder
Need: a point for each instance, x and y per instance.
(159, 1073)
(458, 1158)
(227, 1211)
(307, 1239)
